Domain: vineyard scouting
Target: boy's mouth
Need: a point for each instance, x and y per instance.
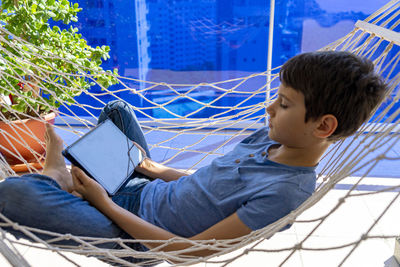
(269, 124)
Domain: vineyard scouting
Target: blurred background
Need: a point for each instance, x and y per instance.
(196, 41)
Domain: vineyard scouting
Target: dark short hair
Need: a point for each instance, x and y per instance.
(337, 83)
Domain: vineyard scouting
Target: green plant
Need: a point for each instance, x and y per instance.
(43, 66)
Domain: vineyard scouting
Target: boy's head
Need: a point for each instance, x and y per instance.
(337, 83)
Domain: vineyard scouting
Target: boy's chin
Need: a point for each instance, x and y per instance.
(271, 136)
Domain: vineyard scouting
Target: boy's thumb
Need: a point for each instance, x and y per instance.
(78, 174)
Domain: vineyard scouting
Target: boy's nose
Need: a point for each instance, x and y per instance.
(270, 109)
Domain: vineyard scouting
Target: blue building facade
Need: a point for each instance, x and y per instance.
(225, 37)
(179, 36)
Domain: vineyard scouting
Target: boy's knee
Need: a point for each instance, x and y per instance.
(116, 105)
(114, 110)
(118, 111)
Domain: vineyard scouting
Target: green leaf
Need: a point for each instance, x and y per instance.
(43, 28)
(30, 21)
(33, 8)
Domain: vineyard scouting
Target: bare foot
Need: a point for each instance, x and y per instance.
(54, 165)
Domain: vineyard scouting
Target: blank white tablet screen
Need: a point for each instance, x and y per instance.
(107, 154)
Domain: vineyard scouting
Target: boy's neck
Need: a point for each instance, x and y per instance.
(299, 157)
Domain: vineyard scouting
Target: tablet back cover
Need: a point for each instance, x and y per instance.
(106, 154)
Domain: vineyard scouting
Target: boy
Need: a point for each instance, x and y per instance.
(323, 96)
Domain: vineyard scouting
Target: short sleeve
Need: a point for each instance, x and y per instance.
(267, 207)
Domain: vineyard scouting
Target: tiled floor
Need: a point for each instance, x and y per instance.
(357, 216)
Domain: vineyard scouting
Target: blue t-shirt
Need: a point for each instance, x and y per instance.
(243, 181)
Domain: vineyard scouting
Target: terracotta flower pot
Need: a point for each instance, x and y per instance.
(18, 138)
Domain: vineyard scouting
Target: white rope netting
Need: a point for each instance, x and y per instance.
(374, 38)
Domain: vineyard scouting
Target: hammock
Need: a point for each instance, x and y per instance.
(374, 38)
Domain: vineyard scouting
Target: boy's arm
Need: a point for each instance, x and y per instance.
(229, 228)
(155, 170)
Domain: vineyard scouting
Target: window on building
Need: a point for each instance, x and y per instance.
(228, 39)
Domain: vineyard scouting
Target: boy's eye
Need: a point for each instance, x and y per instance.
(282, 105)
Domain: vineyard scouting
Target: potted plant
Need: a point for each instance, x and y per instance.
(41, 67)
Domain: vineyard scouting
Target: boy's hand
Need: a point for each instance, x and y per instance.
(142, 165)
(88, 188)
(141, 149)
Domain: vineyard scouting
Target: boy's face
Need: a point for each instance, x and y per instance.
(287, 116)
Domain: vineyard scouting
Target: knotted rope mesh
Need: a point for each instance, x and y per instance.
(374, 38)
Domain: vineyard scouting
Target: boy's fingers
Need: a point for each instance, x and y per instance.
(76, 194)
(79, 175)
(77, 183)
(140, 148)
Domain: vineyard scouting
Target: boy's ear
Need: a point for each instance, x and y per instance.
(326, 127)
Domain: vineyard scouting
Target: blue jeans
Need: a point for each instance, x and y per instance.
(37, 201)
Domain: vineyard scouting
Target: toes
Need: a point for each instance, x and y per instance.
(49, 129)
(51, 133)
(52, 139)
(46, 137)
(48, 133)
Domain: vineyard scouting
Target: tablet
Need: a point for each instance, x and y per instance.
(106, 154)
